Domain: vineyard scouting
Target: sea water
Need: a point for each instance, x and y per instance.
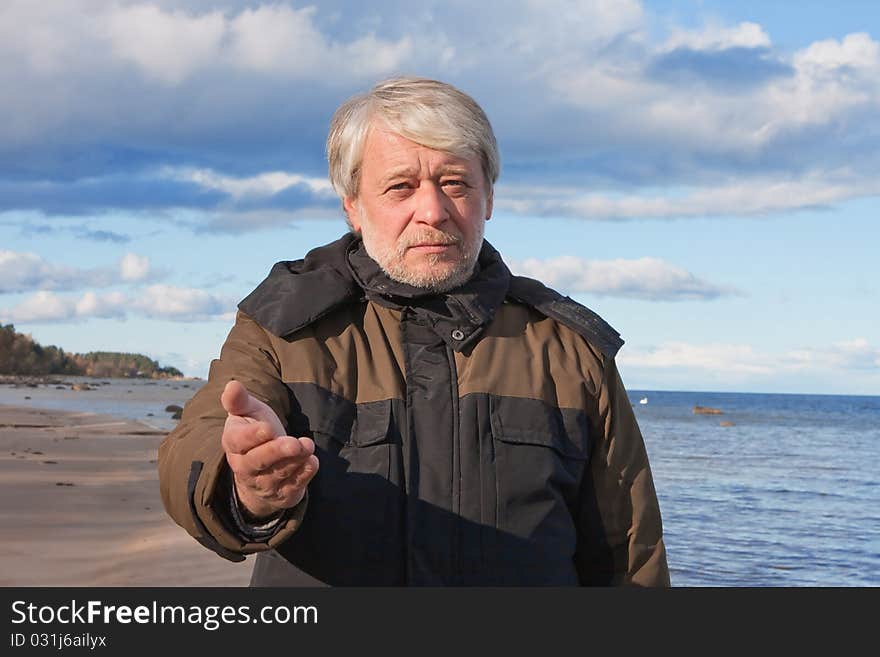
(789, 495)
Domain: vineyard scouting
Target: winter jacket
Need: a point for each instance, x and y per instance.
(477, 437)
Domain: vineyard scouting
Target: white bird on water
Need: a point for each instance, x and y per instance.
(643, 400)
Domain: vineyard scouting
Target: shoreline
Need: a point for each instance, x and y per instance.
(33, 380)
(80, 506)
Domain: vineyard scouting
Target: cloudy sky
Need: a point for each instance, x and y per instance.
(703, 174)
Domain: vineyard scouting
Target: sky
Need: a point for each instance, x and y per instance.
(705, 175)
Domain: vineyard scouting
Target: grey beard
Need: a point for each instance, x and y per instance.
(431, 281)
(391, 261)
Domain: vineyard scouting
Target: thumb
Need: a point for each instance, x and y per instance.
(236, 400)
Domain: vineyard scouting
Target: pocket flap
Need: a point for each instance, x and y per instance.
(360, 425)
(533, 422)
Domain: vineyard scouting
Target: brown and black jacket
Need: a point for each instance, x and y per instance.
(480, 437)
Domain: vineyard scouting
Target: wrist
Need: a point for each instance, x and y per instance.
(252, 511)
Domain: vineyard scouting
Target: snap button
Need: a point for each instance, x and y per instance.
(457, 335)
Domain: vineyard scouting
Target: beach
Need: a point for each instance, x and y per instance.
(778, 490)
(80, 506)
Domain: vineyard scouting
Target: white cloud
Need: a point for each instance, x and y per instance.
(829, 84)
(167, 45)
(106, 305)
(741, 360)
(856, 354)
(261, 185)
(717, 37)
(744, 197)
(280, 40)
(276, 38)
(538, 27)
(133, 267)
(643, 278)
(23, 272)
(855, 52)
(170, 302)
(27, 271)
(564, 82)
(170, 46)
(41, 307)
(156, 302)
(733, 358)
(47, 306)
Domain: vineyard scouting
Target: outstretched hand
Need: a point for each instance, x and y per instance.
(271, 469)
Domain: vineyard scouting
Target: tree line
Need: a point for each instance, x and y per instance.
(20, 355)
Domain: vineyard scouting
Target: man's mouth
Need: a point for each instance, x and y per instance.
(432, 247)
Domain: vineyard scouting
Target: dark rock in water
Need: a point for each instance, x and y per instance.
(173, 408)
(705, 410)
(63, 483)
(27, 397)
(149, 415)
(727, 424)
(31, 385)
(177, 415)
(60, 388)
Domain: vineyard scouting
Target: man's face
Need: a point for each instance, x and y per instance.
(420, 212)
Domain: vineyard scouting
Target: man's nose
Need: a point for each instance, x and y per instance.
(431, 204)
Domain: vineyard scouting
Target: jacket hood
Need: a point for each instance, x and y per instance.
(342, 272)
(286, 301)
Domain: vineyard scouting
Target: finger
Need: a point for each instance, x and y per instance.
(271, 494)
(301, 477)
(240, 436)
(289, 468)
(271, 486)
(265, 457)
(236, 400)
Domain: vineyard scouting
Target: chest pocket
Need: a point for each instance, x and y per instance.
(540, 455)
(353, 504)
(356, 439)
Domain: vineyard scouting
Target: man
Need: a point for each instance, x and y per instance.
(398, 409)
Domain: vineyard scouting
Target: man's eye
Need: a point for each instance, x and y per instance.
(398, 187)
(454, 183)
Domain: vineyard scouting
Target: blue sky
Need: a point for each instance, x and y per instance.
(703, 174)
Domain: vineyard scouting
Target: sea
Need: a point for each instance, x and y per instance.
(779, 490)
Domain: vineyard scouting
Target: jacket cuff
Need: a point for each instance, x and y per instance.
(211, 504)
(256, 532)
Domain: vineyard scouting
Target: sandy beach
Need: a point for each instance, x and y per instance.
(80, 506)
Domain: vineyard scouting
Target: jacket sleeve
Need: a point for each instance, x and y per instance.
(192, 463)
(620, 534)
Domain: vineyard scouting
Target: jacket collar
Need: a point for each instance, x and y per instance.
(298, 293)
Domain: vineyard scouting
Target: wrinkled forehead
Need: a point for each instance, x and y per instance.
(386, 149)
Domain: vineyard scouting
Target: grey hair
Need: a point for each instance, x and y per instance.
(431, 113)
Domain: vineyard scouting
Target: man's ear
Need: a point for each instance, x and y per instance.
(489, 202)
(352, 213)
